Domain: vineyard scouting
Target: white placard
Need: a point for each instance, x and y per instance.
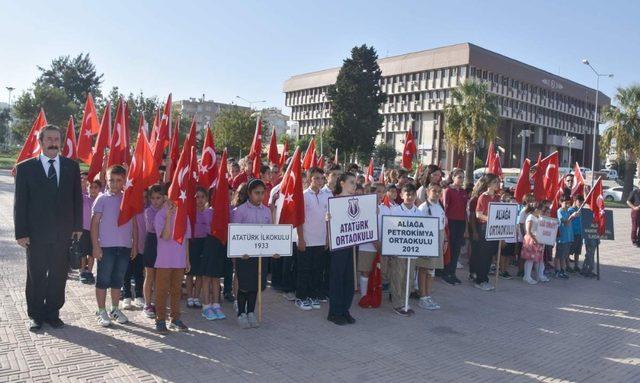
(410, 236)
(547, 230)
(259, 240)
(502, 221)
(354, 220)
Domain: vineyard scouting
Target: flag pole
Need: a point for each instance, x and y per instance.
(260, 289)
(498, 263)
(588, 195)
(355, 273)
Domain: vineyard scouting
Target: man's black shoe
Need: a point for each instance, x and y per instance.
(55, 323)
(229, 297)
(448, 279)
(35, 325)
(349, 318)
(337, 319)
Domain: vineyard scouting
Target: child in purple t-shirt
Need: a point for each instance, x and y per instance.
(113, 246)
(196, 249)
(171, 263)
(156, 199)
(86, 262)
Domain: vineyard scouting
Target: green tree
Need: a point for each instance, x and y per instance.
(624, 129)
(472, 115)
(57, 106)
(385, 154)
(5, 119)
(233, 129)
(355, 99)
(76, 76)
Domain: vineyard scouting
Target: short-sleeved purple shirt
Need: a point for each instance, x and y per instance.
(142, 231)
(203, 223)
(171, 254)
(150, 216)
(87, 203)
(110, 234)
(250, 213)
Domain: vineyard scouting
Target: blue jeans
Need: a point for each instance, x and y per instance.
(112, 267)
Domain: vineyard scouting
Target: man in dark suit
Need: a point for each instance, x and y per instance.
(47, 213)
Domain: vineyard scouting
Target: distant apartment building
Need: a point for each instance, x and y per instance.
(206, 111)
(273, 118)
(418, 86)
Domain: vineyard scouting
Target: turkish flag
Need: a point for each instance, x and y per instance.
(150, 172)
(307, 162)
(555, 201)
(69, 149)
(578, 181)
(256, 145)
(161, 139)
(491, 154)
(31, 146)
(283, 156)
(119, 148)
(369, 179)
(408, 151)
(155, 126)
(321, 162)
(595, 200)
(373, 297)
(191, 191)
(178, 192)
(495, 167)
(386, 201)
(208, 170)
(89, 128)
(101, 143)
(551, 164)
(381, 178)
(523, 186)
(174, 149)
(291, 201)
(133, 200)
(274, 157)
(538, 180)
(221, 206)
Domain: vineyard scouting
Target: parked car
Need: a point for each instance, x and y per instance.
(614, 193)
(611, 174)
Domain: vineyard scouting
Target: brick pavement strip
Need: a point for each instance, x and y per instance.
(566, 331)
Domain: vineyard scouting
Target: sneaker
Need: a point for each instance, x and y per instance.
(83, 277)
(290, 296)
(190, 303)
(556, 274)
(235, 306)
(126, 304)
(217, 311)
(447, 278)
(543, 278)
(303, 304)
(253, 321)
(505, 275)
(402, 312)
(91, 280)
(196, 303)
(315, 303)
(471, 277)
(324, 299)
(459, 266)
(576, 269)
(161, 327)
(563, 275)
(139, 302)
(178, 325)
(414, 295)
(208, 313)
(149, 311)
(243, 321)
(103, 318)
(456, 280)
(488, 286)
(428, 303)
(530, 281)
(492, 270)
(570, 270)
(118, 316)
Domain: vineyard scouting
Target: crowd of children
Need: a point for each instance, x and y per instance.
(163, 270)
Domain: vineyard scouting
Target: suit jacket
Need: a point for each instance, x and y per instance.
(43, 212)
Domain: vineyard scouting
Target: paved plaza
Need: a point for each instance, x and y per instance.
(577, 330)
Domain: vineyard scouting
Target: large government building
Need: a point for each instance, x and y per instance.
(557, 111)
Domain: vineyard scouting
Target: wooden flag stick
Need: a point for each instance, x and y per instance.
(498, 263)
(260, 289)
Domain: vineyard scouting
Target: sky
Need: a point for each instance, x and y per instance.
(249, 48)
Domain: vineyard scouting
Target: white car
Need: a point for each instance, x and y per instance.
(611, 174)
(614, 193)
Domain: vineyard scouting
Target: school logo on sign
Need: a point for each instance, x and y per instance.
(353, 209)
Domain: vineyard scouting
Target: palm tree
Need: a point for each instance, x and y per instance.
(472, 115)
(625, 130)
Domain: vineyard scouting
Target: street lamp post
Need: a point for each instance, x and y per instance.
(595, 116)
(570, 141)
(250, 102)
(9, 135)
(524, 134)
